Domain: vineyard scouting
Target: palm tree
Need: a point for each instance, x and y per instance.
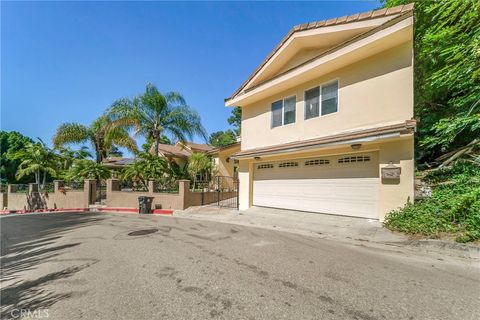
(100, 134)
(87, 169)
(36, 159)
(153, 114)
(198, 163)
(68, 156)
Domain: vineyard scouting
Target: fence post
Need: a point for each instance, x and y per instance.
(218, 190)
(12, 188)
(184, 192)
(89, 191)
(152, 186)
(32, 187)
(113, 185)
(57, 184)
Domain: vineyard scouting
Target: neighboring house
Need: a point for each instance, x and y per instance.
(225, 165)
(181, 151)
(117, 162)
(326, 112)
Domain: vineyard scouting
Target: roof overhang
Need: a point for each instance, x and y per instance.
(347, 138)
(389, 34)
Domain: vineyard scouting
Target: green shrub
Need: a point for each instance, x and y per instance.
(453, 208)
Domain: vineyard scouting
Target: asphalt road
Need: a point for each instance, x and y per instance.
(87, 266)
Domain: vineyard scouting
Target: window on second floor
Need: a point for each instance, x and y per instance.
(283, 111)
(321, 100)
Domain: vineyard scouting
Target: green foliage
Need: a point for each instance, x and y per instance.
(87, 169)
(101, 134)
(236, 119)
(198, 163)
(222, 138)
(36, 159)
(153, 114)
(146, 167)
(453, 208)
(10, 143)
(150, 167)
(447, 74)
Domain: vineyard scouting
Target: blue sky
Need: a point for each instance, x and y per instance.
(68, 61)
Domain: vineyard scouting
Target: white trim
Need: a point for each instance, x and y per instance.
(371, 23)
(369, 40)
(320, 145)
(320, 115)
(283, 111)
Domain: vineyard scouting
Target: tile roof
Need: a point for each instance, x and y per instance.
(372, 14)
(198, 146)
(172, 150)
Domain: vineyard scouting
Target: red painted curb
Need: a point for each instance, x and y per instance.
(163, 211)
(133, 210)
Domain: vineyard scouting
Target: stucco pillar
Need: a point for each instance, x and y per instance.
(89, 191)
(152, 186)
(184, 192)
(245, 175)
(113, 185)
(57, 184)
(32, 187)
(12, 188)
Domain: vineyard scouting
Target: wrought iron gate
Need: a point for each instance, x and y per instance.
(221, 191)
(101, 192)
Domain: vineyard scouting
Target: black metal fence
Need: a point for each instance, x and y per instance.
(47, 187)
(133, 186)
(101, 191)
(221, 191)
(166, 187)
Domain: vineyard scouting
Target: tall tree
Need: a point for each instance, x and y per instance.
(447, 75)
(36, 159)
(101, 134)
(222, 138)
(10, 143)
(198, 163)
(153, 114)
(236, 119)
(87, 169)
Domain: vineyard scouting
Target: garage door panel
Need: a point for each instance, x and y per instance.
(344, 189)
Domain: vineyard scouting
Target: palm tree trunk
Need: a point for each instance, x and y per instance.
(44, 177)
(156, 143)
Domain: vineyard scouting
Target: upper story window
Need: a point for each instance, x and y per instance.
(321, 100)
(283, 111)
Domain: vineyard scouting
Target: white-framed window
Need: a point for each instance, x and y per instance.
(283, 111)
(321, 100)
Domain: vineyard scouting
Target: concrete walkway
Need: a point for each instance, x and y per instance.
(299, 222)
(347, 229)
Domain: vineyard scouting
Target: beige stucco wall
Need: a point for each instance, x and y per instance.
(372, 92)
(224, 163)
(392, 194)
(123, 199)
(54, 200)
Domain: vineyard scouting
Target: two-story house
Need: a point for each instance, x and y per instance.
(327, 118)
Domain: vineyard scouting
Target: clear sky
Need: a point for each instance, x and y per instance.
(68, 61)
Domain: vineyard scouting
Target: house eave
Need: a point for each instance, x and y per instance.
(399, 130)
(393, 32)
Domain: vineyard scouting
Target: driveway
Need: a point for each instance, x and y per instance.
(91, 266)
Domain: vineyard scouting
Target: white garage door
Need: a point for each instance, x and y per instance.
(344, 185)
